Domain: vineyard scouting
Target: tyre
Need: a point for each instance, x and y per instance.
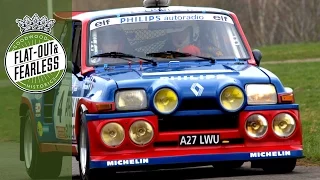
(84, 158)
(280, 166)
(228, 165)
(38, 165)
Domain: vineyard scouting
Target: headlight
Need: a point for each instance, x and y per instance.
(141, 132)
(232, 98)
(165, 101)
(256, 126)
(283, 125)
(131, 100)
(261, 94)
(112, 134)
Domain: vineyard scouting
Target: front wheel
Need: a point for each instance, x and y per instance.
(38, 165)
(84, 158)
(280, 166)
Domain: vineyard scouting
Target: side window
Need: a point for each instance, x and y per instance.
(76, 45)
(66, 38)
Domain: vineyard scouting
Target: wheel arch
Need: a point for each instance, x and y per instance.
(24, 107)
(80, 108)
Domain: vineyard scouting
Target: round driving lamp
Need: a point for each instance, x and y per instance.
(256, 126)
(283, 125)
(232, 98)
(141, 132)
(112, 134)
(165, 101)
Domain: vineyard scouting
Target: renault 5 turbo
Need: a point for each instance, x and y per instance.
(160, 86)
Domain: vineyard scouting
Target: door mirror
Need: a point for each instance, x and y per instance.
(257, 56)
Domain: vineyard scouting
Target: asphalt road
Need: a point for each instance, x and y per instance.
(207, 173)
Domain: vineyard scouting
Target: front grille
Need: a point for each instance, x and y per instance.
(184, 123)
(198, 104)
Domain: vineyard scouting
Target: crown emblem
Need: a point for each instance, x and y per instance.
(35, 23)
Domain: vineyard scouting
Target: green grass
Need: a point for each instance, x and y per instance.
(9, 114)
(304, 80)
(290, 51)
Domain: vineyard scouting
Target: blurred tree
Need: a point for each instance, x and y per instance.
(265, 22)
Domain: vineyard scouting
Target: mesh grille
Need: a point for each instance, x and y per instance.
(146, 41)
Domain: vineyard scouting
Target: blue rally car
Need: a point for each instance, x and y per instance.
(158, 86)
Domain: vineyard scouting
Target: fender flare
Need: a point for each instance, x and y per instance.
(81, 107)
(24, 106)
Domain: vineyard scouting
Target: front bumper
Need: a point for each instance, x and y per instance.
(196, 156)
(129, 155)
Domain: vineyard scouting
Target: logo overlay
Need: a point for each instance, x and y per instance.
(35, 61)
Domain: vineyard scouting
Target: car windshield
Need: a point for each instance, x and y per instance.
(208, 35)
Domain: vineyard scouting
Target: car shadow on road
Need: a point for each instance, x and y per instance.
(194, 173)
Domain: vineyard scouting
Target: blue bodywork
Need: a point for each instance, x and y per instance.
(212, 77)
(178, 76)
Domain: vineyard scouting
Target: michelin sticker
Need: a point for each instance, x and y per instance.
(270, 154)
(128, 162)
(35, 61)
(160, 18)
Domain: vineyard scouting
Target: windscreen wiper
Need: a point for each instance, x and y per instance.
(123, 56)
(175, 54)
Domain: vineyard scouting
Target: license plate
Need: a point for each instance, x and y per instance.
(199, 140)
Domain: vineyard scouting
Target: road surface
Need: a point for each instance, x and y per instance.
(208, 173)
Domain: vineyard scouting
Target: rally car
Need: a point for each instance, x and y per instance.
(160, 86)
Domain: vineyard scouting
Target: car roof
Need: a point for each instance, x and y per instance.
(91, 15)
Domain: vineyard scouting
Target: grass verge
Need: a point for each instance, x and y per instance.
(303, 79)
(9, 114)
(290, 51)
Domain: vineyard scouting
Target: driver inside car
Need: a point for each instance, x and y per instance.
(210, 41)
(110, 40)
(181, 36)
(113, 40)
